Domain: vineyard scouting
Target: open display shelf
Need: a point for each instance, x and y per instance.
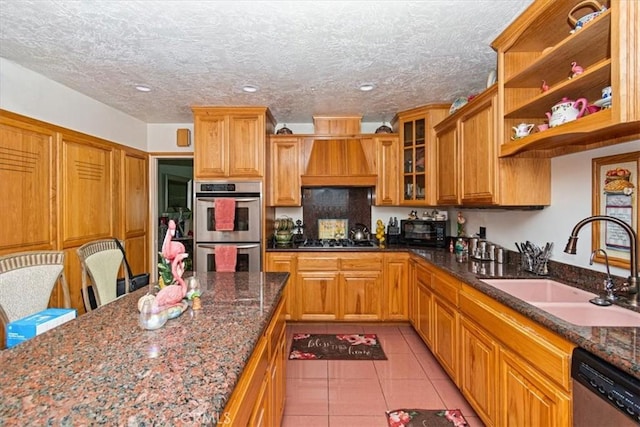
(541, 46)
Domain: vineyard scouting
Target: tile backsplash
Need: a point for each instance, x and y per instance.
(351, 203)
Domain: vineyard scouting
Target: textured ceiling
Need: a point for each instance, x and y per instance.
(306, 58)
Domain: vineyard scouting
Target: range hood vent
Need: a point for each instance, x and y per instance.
(340, 162)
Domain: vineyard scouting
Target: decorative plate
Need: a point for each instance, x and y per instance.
(603, 103)
(458, 103)
(491, 79)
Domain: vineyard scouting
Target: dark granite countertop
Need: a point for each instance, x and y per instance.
(103, 369)
(619, 346)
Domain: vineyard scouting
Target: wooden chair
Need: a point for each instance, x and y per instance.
(27, 280)
(101, 261)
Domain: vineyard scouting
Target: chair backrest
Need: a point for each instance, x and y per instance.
(27, 280)
(101, 261)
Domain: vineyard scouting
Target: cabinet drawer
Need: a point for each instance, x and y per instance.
(276, 328)
(310, 262)
(445, 287)
(364, 262)
(546, 351)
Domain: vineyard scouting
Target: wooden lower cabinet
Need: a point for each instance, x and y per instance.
(349, 286)
(259, 396)
(424, 297)
(395, 286)
(317, 295)
(478, 369)
(512, 371)
(284, 262)
(528, 398)
(361, 295)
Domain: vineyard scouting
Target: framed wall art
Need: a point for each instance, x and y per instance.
(615, 193)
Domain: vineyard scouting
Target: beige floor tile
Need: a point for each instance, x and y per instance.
(357, 421)
(351, 369)
(306, 421)
(431, 366)
(355, 396)
(402, 393)
(452, 397)
(307, 396)
(400, 365)
(307, 369)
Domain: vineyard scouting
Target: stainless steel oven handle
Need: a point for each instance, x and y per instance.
(250, 246)
(213, 199)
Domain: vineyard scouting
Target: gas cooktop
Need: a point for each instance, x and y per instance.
(336, 244)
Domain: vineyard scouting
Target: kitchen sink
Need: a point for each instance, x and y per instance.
(540, 290)
(566, 302)
(587, 314)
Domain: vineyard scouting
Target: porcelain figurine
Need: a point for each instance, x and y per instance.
(576, 70)
(566, 111)
(544, 87)
(175, 253)
(522, 130)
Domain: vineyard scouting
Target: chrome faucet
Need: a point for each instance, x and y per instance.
(631, 287)
(608, 282)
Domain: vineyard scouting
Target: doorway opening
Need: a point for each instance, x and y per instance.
(172, 182)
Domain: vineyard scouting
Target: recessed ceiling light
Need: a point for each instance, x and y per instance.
(143, 88)
(249, 89)
(366, 87)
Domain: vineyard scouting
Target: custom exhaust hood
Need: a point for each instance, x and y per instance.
(340, 162)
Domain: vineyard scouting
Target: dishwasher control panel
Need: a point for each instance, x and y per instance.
(618, 388)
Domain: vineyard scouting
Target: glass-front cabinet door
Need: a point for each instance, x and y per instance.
(414, 160)
(418, 153)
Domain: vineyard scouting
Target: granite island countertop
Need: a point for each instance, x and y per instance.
(619, 346)
(102, 368)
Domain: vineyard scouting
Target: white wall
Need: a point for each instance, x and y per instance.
(25, 92)
(570, 202)
(162, 137)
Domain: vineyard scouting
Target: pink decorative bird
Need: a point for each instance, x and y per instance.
(173, 294)
(171, 249)
(544, 87)
(576, 70)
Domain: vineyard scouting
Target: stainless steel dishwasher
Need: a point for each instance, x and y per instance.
(603, 395)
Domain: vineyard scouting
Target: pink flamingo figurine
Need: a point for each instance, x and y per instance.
(170, 248)
(576, 70)
(173, 294)
(544, 87)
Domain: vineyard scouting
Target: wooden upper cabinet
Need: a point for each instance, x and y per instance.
(540, 45)
(388, 170)
(478, 156)
(417, 153)
(28, 186)
(284, 167)
(447, 186)
(469, 171)
(230, 141)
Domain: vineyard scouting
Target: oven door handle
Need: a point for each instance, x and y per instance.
(213, 199)
(249, 246)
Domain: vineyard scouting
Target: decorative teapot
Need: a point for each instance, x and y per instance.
(566, 111)
(522, 130)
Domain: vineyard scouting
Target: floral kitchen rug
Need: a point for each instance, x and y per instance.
(336, 347)
(426, 417)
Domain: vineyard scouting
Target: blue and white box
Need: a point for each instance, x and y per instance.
(35, 324)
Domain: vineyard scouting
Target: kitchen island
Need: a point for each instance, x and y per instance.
(103, 369)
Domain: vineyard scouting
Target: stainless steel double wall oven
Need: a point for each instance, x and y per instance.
(246, 232)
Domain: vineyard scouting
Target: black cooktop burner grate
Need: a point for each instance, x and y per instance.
(336, 243)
